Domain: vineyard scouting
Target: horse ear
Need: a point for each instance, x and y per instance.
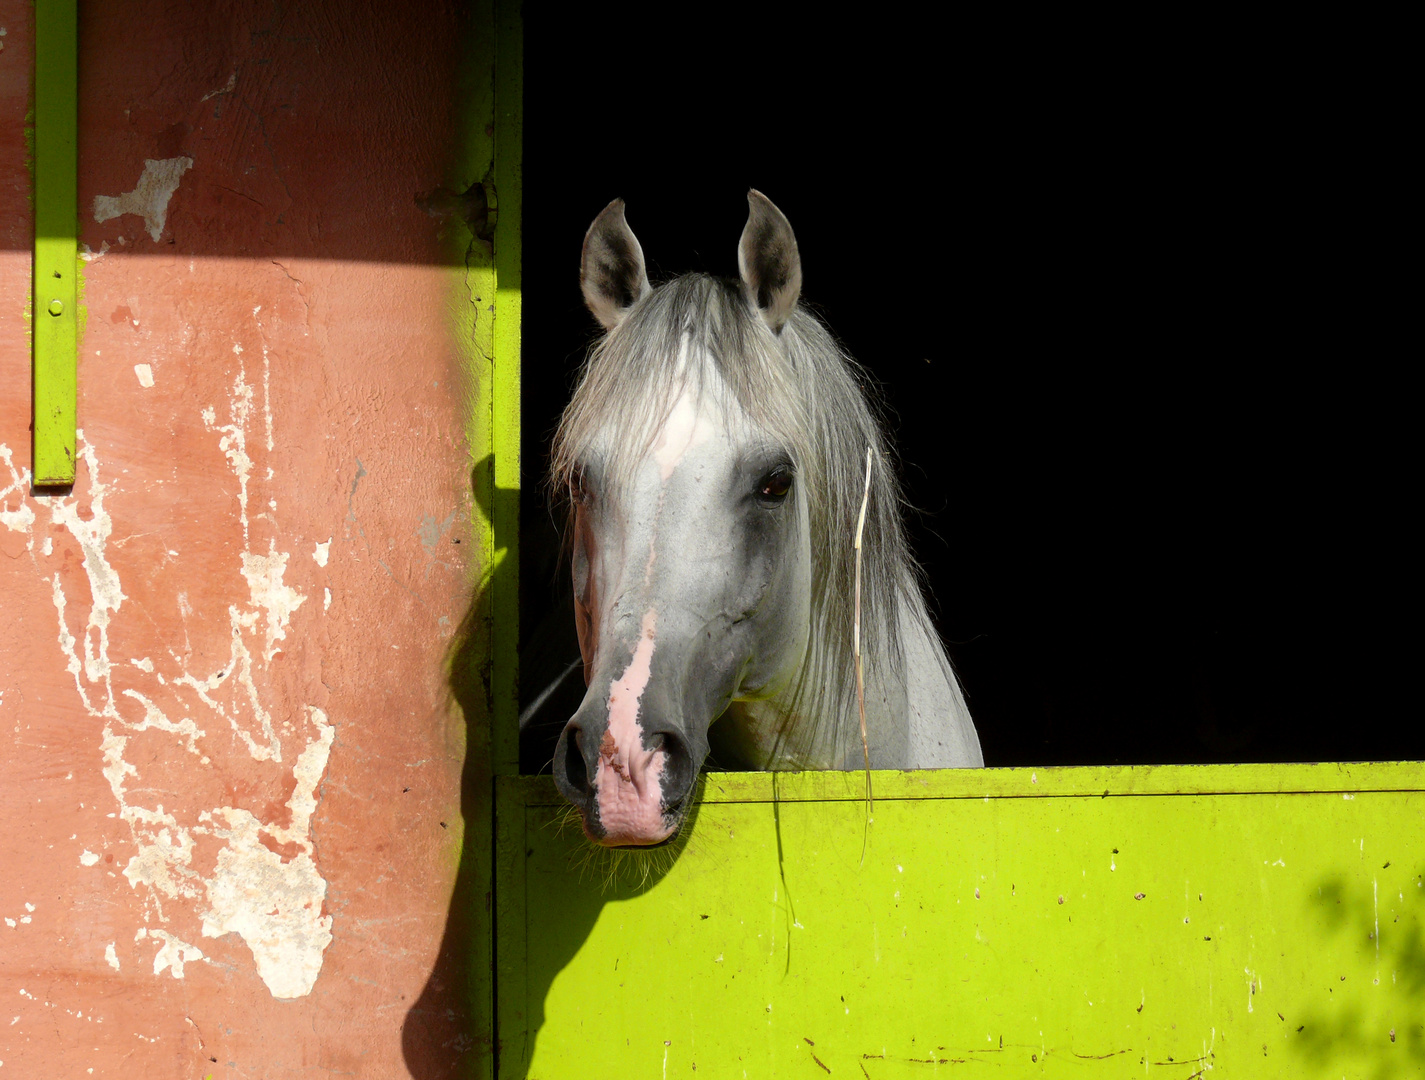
(611, 271)
(769, 262)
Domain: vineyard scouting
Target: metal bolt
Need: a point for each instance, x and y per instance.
(56, 307)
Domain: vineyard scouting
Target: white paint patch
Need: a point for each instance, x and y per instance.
(273, 902)
(156, 720)
(164, 863)
(173, 954)
(266, 391)
(629, 778)
(145, 374)
(111, 957)
(22, 518)
(233, 441)
(150, 196)
(107, 597)
(275, 906)
(1375, 913)
(228, 89)
(327, 600)
(320, 554)
(264, 579)
(239, 666)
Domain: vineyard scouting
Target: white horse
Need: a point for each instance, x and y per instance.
(714, 455)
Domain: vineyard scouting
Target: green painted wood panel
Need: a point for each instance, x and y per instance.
(54, 289)
(1166, 922)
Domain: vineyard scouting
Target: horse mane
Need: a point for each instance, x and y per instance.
(802, 387)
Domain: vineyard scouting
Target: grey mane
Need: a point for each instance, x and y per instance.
(803, 388)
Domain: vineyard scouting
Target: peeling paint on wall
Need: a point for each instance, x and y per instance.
(275, 904)
(264, 578)
(272, 900)
(173, 952)
(150, 196)
(22, 518)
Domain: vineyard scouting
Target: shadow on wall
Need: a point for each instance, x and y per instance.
(1373, 934)
(437, 1036)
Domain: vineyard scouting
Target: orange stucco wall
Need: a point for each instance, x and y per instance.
(229, 766)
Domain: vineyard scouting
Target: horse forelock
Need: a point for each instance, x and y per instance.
(698, 334)
(694, 335)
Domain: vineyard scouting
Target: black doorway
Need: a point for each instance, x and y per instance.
(1158, 484)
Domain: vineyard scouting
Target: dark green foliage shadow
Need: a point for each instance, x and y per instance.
(1356, 1026)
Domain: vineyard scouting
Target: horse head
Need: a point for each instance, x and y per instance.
(691, 559)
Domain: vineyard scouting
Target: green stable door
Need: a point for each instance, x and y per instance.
(1173, 922)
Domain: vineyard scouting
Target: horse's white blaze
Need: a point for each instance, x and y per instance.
(628, 782)
(629, 779)
(688, 427)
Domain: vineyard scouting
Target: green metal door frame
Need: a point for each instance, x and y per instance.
(1061, 922)
(486, 312)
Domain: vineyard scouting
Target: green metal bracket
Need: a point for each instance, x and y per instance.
(54, 290)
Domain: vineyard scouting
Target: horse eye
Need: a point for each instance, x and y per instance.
(578, 489)
(775, 485)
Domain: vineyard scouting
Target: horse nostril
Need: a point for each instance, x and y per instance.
(677, 769)
(575, 772)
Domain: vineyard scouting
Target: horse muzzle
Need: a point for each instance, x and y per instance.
(630, 787)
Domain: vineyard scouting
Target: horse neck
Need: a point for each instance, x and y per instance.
(916, 715)
(798, 729)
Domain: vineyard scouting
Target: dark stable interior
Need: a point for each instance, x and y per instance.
(1151, 477)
